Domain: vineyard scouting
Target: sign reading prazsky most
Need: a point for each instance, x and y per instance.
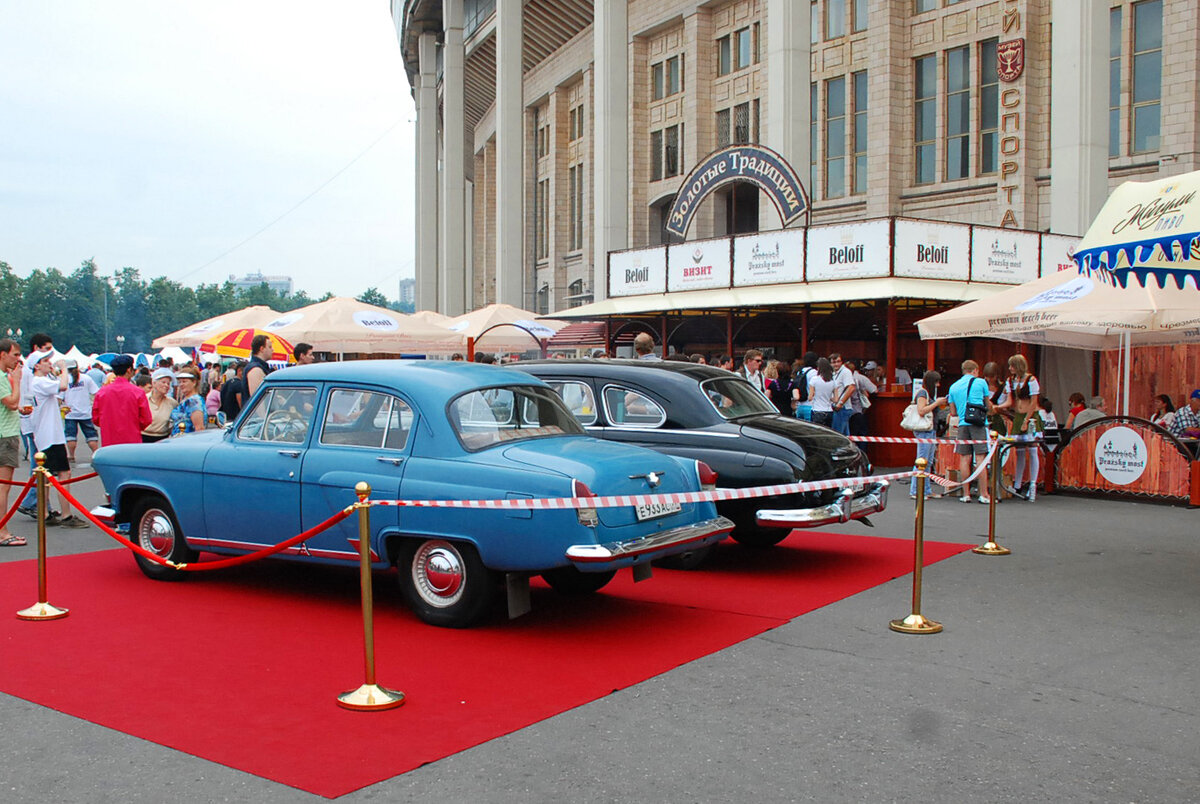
(752, 163)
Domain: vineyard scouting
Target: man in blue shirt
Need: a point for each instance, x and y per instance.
(969, 392)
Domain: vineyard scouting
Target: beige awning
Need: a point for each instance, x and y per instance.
(195, 334)
(343, 324)
(797, 293)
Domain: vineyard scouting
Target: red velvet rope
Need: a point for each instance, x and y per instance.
(71, 480)
(13, 508)
(207, 565)
(68, 481)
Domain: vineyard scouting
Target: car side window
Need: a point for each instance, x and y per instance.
(628, 408)
(282, 415)
(366, 419)
(579, 399)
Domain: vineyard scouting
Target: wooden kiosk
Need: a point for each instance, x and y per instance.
(1129, 456)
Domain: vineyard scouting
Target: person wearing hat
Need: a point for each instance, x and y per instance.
(10, 428)
(49, 383)
(78, 401)
(1187, 418)
(120, 408)
(38, 342)
(189, 410)
(161, 406)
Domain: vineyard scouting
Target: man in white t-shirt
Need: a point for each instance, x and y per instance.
(843, 389)
(49, 382)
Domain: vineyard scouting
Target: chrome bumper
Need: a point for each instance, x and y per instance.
(850, 504)
(616, 554)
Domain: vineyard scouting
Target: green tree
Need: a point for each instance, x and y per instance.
(214, 300)
(129, 310)
(169, 306)
(373, 296)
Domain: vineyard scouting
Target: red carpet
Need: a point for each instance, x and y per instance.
(242, 667)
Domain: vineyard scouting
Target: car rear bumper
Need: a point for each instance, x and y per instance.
(850, 504)
(615, 555)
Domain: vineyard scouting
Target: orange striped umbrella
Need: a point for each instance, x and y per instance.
(236, 343)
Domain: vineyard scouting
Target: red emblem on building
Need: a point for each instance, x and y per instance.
(1010, 60)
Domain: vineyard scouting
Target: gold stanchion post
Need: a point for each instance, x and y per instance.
(42, 610)
(990, 548)
(917, 623)
(370, 696)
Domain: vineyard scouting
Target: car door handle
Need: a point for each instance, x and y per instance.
(291, 453)
(392, 461)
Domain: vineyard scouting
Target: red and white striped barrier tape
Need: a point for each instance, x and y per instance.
(897, 440)
(625, 500)
(948, 484)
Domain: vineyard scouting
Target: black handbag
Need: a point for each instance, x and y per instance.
(975, 415)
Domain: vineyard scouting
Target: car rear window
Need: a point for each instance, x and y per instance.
(488, 416)
(733, 397)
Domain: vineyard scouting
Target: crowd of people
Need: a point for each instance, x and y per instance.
(47, 402)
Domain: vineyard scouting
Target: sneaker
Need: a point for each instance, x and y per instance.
(53, 518)
(73, 521)
(1031, 495)
(965, 499)
(986, 500)
(29, 511)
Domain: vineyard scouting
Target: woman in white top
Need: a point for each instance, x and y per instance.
(77, 399)
(1022, 391)
(820, 393)
(1164, 411)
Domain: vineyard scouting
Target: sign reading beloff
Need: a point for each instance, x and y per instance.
(631, 273)
(750, 163)
(926, 250)
(848, 251)
(1120, 456)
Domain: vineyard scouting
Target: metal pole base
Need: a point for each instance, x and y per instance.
(915, 624)
(43, 611)
(991, 549)
(369, 698)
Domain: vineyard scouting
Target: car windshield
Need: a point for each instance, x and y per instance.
(488, 416)
(734, 397)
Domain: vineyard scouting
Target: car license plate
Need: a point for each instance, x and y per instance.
(655, 510)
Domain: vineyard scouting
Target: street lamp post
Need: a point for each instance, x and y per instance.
(15, 334)
(121, 344)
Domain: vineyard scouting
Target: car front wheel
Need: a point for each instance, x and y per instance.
(445, 582)
(155, 529)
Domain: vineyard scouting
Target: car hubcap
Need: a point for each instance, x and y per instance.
(438, 573)
(156, 532)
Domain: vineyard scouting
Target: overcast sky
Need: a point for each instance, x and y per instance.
(162, 135)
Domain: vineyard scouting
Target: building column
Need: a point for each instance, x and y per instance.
(510, 104)
(789, 70)
(453, 266)
(610, 137)
(426, 272)
(1079, 125)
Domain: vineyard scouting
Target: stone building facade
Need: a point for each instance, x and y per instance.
(1019, 113)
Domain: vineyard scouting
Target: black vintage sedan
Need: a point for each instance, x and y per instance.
(715, 416)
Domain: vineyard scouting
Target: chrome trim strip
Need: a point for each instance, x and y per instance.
(849, 505)
(613, 551)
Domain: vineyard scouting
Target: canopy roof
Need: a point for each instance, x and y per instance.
(503, 326)
(343, 324)
(1146, 229)
(195, 334)
(1066, 309)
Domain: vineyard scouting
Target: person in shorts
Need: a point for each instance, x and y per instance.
(49, 382)
(971, 390)
(10, 428)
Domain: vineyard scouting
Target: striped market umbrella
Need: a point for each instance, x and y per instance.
(236, 343)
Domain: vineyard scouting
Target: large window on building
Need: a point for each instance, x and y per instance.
(812, 139)
(1114, 82)
(859, 22)
(958, 113)
(666, 152)
(835, 18)
(541, 204)
(738, 125)
(835, 138)
(989, 108)
(925, 118)
(575, 123)
(575, 221)
(738, 50)
(666, 78)
(859, 148)
(1147, 75)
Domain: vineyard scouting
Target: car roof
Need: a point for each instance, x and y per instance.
(663, 371)
(443, 377)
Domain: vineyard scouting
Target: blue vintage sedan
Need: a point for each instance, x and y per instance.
(419, 431)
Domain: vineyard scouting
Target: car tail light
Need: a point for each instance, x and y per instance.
(587, 516)
(708, 478)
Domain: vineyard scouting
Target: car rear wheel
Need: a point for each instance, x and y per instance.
(155, 528)
(748, 532)
(445, 582)
(570, 581)
(690, 560)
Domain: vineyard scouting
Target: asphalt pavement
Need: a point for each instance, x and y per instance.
(1067, 671)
